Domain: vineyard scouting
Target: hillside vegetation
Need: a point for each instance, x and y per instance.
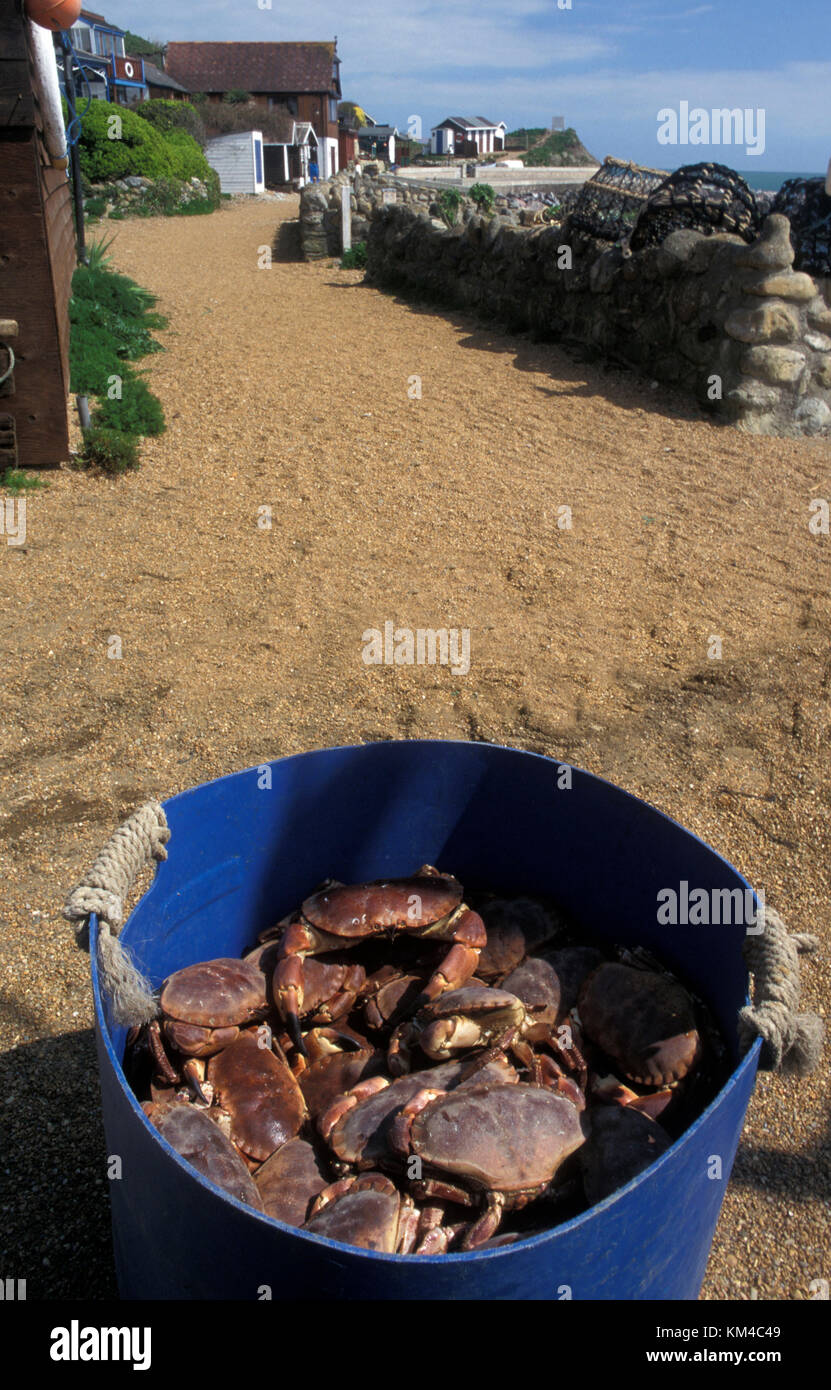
(559, 148)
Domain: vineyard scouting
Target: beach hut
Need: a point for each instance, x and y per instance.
(238, 159)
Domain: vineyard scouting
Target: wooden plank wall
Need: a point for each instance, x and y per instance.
(37, 258)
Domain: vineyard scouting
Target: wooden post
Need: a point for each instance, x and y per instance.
(346, 216)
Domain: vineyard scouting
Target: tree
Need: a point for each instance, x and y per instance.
(353, 115)
(153, 49)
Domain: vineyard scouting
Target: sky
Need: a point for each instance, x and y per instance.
(607, 68)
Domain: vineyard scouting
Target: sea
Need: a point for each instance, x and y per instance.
(774, 178)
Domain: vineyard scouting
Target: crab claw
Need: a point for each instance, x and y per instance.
(293, 1026)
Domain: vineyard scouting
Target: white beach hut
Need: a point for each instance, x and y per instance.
(238, 159)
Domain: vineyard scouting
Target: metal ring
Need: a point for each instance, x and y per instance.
(7, 373)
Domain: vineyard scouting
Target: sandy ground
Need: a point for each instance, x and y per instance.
(288, 388)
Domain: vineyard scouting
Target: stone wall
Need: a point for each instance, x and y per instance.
(730, 322)
(320, 206)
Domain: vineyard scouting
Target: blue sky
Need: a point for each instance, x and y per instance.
(607, 68)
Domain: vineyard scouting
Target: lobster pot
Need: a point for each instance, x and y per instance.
(246, 849)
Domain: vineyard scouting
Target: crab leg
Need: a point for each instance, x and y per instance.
(488, 1223)
(467, 931)
(300, 939)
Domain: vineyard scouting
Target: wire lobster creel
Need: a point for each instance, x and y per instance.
(808, 209)
(609, 204)
(699, 197)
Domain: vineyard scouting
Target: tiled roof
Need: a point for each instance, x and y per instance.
(252, 67)
(155, 76)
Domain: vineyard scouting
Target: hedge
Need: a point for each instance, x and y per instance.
(142, 149)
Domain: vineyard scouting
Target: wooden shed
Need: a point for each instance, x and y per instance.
(238, 159)
(37, 259)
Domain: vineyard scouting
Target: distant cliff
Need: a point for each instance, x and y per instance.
(557, 149)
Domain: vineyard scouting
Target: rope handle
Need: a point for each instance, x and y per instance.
(103, 890)
(792, 1041)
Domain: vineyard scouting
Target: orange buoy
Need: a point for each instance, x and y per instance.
(54, 14)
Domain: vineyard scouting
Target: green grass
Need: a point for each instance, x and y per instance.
(15, 481)
(355, 257)
(559, 142)
(112, 322)
(110, 450)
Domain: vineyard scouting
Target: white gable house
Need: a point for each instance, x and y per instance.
(461, 135)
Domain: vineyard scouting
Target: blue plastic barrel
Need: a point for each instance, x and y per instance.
(243, 852)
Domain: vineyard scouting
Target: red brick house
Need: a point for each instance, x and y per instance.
(303, 78)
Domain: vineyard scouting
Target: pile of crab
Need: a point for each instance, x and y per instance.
(392, 1069)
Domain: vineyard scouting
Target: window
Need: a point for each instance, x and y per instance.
(101, 43)
(81, 36)
(118, 47)
(333, 109)
(291, 103)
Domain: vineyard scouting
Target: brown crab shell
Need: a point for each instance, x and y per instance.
(537, 984)
(508, 1139)
(644, 1021)
(364, 908)
(289, 1181)
(193, 1135)
(622, 1143)
(360, 1136)
(215, 993)
(328, 1077)
(366, 1217)
(259, 1093)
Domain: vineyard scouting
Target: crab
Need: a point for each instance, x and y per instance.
(387, 993)
(328, 1077)
(258, 1092)
(503, 1144)
(480, 1016)
(644, 1021)
(572, 964)
(289, 1181)
(205, 1006)
(515, 928)
(622, 1142)
(193, 1135)
(428, 904)
(368, 1211)
(356, 1126)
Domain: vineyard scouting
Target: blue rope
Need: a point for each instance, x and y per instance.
(73, 130)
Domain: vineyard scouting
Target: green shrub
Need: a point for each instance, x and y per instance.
(138, 411)
(95, 207)
(449, 201)
(355, 257)
(110, 450)
(167, 116)
(15, 481)
(141, 149)
(483, 195)
(116, 214)
(188, 160)
(236, 97)
(146, 148)
(111, 321)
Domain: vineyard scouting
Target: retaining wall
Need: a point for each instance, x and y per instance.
(728, 321)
